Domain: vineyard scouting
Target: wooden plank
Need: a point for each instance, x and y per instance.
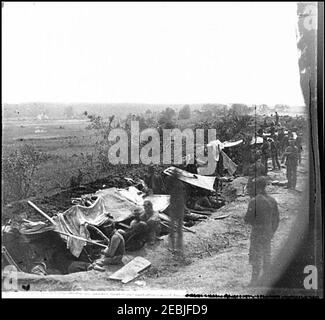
(131, 270)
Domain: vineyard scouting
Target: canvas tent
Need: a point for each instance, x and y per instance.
(196, 180)
(118, 203)
(217, 148)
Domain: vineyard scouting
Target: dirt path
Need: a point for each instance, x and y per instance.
(216, 255)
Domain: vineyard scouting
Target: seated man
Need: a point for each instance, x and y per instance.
(113, 254)
(135, 237)
(151, 218)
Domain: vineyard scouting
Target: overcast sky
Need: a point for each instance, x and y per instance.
(150, 53)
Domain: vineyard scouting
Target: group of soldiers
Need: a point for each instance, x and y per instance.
(277, 145)
(262, 213)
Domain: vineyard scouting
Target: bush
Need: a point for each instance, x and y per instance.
(18, 170)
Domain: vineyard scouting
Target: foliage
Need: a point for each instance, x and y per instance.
(167, 119)
(240, 109)
(185, 112)
(213, 110)
(18, 170)
(102, 129)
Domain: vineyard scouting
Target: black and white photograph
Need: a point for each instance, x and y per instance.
(161, 150)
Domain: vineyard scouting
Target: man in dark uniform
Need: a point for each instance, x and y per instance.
(246, 154)
(256, 170)
(280, 141)
(265, 153)
(291, 156)
(136, 236)
(154, 181)
(151, 218)
(176, 212)
(299, 146)
(263, 215)
(274, 153)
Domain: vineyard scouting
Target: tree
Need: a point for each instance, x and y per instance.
(167, 119)
(240, 109)
(213, 110)
(185, 112)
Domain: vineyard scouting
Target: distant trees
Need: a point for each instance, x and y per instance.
(184, 112)
(213, 110)
(240, 109)
(167, 119)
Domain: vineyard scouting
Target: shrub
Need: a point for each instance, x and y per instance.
(18, 170)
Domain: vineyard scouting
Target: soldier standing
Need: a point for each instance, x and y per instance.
(176, 211)
(263, 215)
(274, 153)
(265, 153)
(291, 156)
(299, 146)
(246, 154)
(256, 170)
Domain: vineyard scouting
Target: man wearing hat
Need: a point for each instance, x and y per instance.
(263, 215)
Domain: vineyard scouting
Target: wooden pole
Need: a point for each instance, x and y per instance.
(80, 238)
(41, 212)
